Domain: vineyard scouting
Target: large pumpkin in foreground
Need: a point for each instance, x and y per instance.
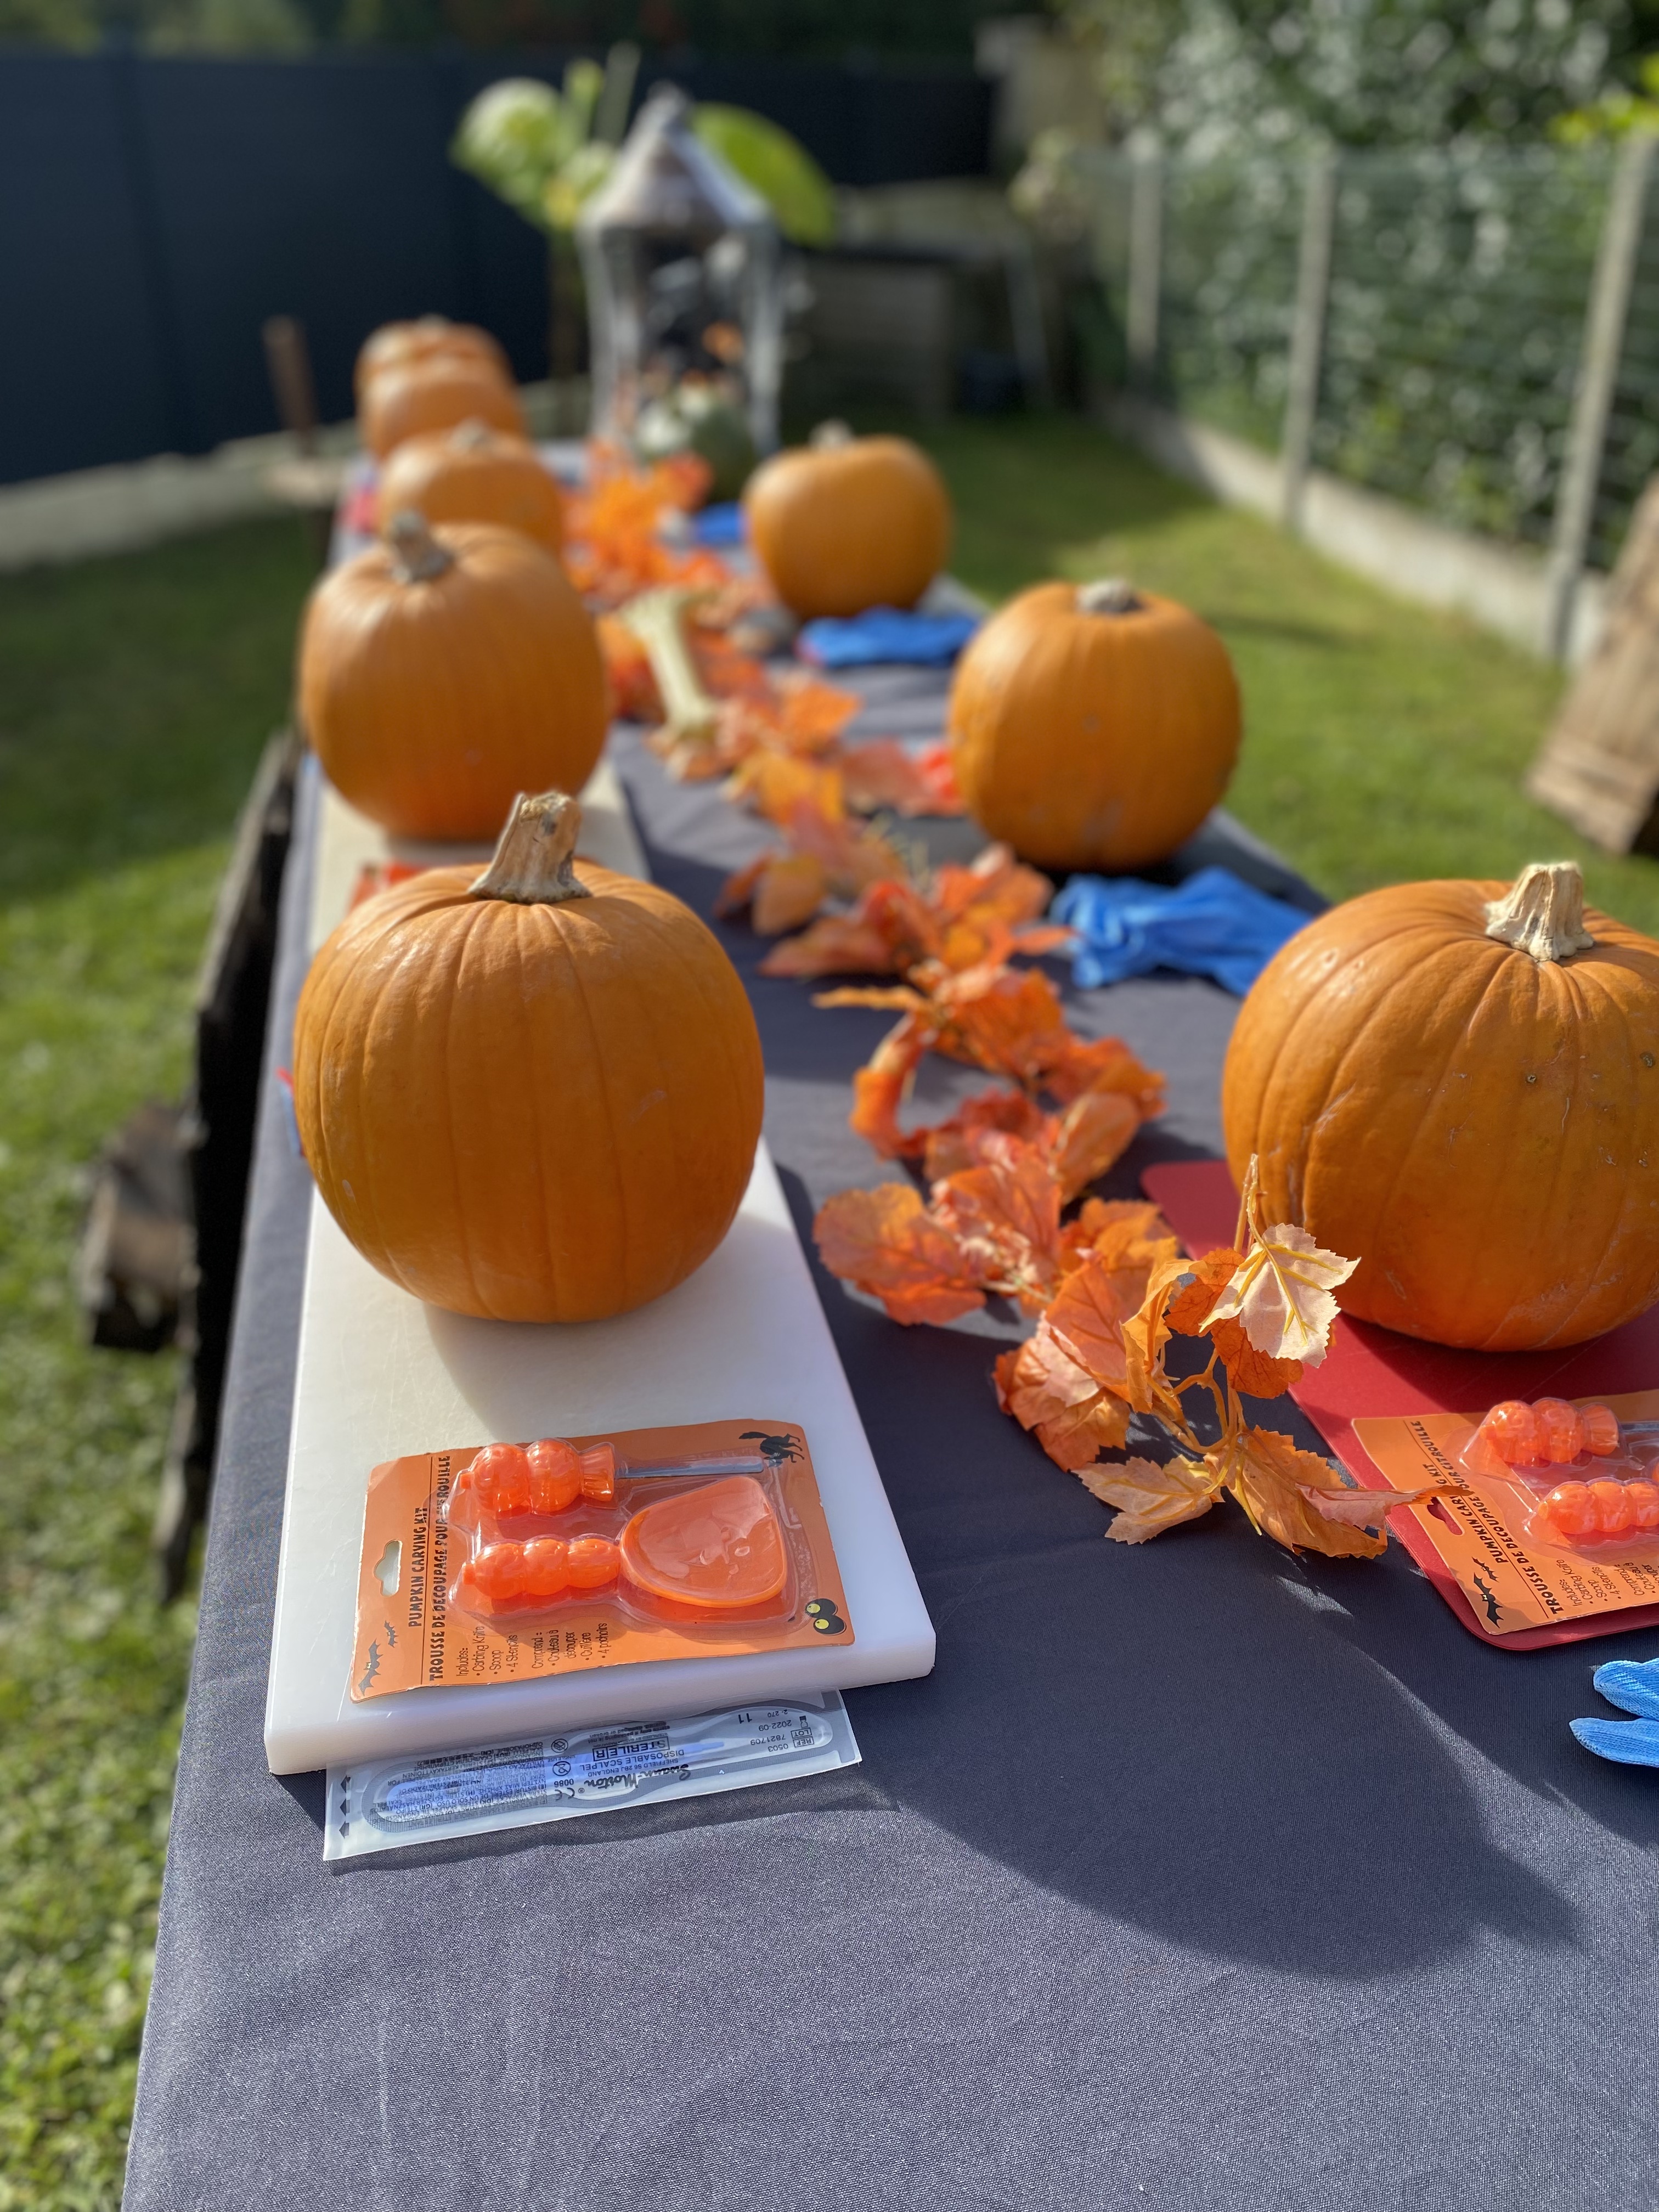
(1093, 726)
(473, 474)
(533, 1095)
(846, 523)
(447, 671)
(1458, 1084)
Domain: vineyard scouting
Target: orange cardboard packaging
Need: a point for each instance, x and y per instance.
(508, 1561)
(1490, 1522)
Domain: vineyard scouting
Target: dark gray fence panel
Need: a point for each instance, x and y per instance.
(154, 211)
(82, 376)
(318, 190)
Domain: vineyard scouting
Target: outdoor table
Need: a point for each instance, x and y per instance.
(1195, 1876)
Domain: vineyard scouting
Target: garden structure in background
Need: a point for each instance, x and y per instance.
(1381, 742)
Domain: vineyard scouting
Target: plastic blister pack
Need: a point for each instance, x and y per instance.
(536, 1528)
(509, 1561)
(1573, 1479)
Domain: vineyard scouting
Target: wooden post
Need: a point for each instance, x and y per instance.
(1145, 265)
(1313, 287)
(1598, 377)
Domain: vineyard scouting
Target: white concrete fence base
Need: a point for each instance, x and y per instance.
(1503, 588)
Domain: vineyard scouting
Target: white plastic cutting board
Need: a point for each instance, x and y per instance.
(380, 1375)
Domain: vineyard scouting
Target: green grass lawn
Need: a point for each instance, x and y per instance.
(136, 695)
(1381, 742)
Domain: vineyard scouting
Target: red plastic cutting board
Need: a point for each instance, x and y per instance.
(1371, 1371)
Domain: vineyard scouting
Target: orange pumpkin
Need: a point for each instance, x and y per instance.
(474, 474)
(400, 345)
(1093, 726)
(435, 395)
(848, 523)
(445, 671)
(532, 1095)
(1458, 1084)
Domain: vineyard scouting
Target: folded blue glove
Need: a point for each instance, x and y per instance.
(1632, 1685)
(1214, 924)
(720, 525)
(885, 634)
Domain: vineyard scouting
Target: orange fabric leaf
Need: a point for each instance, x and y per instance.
(885, 1241)
(738, 888)
(791, 890)
(1004, 1214)
(774, 784)
(1049, 1394)
(1189, 1307)
(879, 773)
(1107, 1064)
(1128, 1237)
(1094, 1130)
(836, 945)
(1266, 1472)
(1087, 1316)
(953, 1145)
(1149, 1497)
(1256, 1373)
(1145, 1333)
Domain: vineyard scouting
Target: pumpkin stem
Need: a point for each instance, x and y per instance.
(1108, 595)
(416, 556)
(532, 861)
(469, 435)
(1542, 913)
(656, 619)
(828, 435)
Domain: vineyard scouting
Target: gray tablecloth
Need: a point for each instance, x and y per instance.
(1194, 1878)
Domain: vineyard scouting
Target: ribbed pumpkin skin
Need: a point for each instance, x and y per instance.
(451, 478)
(434, 395)
(528, 1113)
(432, 705)
(1481, 1132)
(400, 345)
(841, 528)
(1093, 740)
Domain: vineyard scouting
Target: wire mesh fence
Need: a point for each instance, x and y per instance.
(1451, 320)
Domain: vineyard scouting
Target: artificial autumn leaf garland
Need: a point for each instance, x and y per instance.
(1110, 1289)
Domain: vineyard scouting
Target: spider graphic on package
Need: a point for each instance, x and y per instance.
(774, 1449)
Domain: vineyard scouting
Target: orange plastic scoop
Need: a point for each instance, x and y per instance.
(716, 1546)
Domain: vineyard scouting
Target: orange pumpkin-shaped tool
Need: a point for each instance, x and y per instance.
(1458, 1084)
(848, 523)
(474, 474)
(435, 395)
(532, 1095)
(443, 673)
(1093, 726)
(714, 1548)
(401, 345)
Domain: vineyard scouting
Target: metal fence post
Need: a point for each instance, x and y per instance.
(1145, 265)
(1313, 287)
(1593, 393)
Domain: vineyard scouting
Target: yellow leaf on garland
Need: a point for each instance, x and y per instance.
(1281, 1291)
(1150, 1499)
(1271, 1477)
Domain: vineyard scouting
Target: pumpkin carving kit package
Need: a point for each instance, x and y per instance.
(519, 1563)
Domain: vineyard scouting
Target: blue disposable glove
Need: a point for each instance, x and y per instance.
(1632, 1685)
(885, 634)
